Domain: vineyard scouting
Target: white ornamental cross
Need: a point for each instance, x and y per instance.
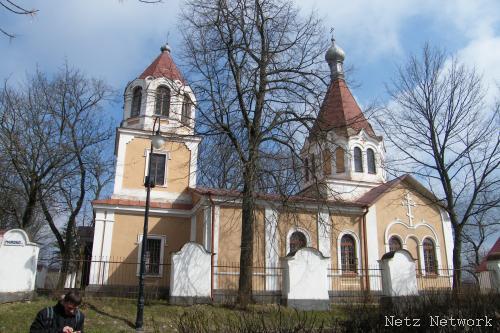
(409, 203)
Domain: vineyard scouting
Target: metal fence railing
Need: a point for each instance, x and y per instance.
(357, 283)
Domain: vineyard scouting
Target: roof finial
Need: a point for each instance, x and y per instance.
(335, 58)
(166, 47)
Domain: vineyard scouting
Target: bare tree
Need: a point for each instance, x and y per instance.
(52, 133)
(442, 131)
(13, 8)
(257, 80)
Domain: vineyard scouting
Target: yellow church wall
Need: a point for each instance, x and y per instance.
(124, 246)
(230, 236)
(342, 223)
(177, 165)
(199, 227)
(389, 208)
(290, 219)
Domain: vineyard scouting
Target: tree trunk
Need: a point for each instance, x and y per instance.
(457, 263)
(247, 236)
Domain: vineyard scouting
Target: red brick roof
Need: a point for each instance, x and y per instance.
(372, 195)
(140, 203)
(163, 66)
(340, 113)
(493, 253)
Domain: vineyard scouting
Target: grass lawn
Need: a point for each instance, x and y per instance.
(118, 315)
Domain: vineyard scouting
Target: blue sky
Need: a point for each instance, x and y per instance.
(115, 40)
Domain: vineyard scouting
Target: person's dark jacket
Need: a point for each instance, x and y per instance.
(54, 321)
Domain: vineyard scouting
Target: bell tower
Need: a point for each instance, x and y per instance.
(342, 156)
(160, 93)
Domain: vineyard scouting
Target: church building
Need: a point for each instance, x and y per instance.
(346, 209)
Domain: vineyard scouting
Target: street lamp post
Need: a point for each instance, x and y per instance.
(157, 142)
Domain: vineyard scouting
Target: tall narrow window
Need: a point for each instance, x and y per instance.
(327, 162)
(306, 169)
(297, 241)
(370, 158)
(186, 110)
(430, 261)
(348, 254)
(153, 253)
(394, 244)
(339, 160)
(358, 160)
(136, 102)
(158, 168)
(162, 106)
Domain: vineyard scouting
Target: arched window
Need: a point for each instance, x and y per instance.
(327, 162)
(136, 102)
(339, 160)
(297, 241)
(162, 106)
(370, 158)
(394, 244)
(348, 254)
(186, 110)
(358, 160)
(430, 261)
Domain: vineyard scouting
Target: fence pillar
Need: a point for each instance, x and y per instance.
(190, 275)
(271, 248)
(399, 277)
(305, 280)
(18, 266)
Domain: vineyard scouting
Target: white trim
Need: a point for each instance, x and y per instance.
(324, 228)
(164, 196)
(147, 153)
(156, 211)
(215, 252)
(291, 231)
(101, 247)
(192, 235)
(123, 140)
(141, 133)
(271, 247)
(207, 228)
(356, 245)
(410, 227)
(163, 243)
(193, 162)
(448, 239)
(372, 237)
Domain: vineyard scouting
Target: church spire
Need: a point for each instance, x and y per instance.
(335, 58)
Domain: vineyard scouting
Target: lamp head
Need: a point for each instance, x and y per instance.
(157, 141)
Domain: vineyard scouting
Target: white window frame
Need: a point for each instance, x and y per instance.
(147, 153)
(289, 234)
(357, 249)
(163, 239)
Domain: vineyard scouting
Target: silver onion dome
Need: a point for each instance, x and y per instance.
(165, 47)
(334, 53)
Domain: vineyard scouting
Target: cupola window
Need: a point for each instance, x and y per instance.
(136, 102)
(339, 160)
(370, 158)
(162, 106)
(327, 162)
(358, 160)
(186, 110)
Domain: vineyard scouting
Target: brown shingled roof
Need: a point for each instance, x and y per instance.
(163, 66)
(372, 195)
(340, 113)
